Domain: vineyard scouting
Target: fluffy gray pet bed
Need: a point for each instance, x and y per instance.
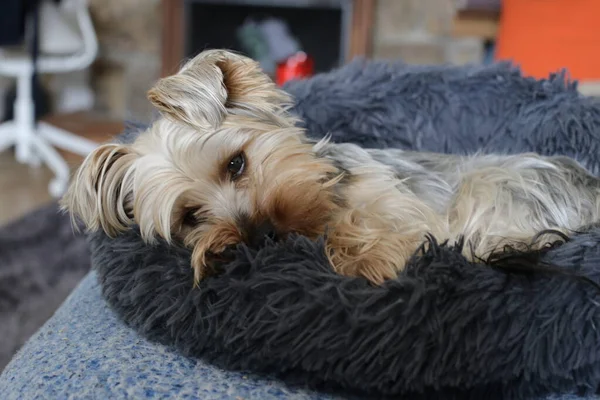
(446, 328)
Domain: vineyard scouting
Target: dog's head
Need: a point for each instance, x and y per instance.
(224, 164)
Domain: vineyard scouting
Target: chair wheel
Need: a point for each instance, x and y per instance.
(57, 187)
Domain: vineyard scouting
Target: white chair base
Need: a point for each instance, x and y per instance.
(34, 142)
(38, 147)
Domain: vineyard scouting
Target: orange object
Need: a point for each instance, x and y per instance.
(545, 36)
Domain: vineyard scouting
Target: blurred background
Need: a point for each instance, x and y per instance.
(90, 78)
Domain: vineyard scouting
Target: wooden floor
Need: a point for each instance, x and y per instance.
(24, 188)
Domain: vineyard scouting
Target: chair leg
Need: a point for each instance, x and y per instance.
(34, 159)
(33, 143)
(57, 164)
(66, 140)
(24, 120)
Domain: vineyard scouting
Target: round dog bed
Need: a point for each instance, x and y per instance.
(446, 328)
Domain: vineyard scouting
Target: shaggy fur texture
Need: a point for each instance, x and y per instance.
(446, 328)
(227, 165)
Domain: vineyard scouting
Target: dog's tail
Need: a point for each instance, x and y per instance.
(531, 261)
(527, 260)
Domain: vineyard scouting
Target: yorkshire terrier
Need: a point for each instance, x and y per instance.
(226, 163)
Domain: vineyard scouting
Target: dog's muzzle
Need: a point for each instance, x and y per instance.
(256, 235)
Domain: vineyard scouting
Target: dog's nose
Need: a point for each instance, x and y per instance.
(259, 234)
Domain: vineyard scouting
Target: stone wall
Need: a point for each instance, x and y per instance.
(419, 32)
(129, 34)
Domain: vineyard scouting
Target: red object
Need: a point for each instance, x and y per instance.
(298, 66)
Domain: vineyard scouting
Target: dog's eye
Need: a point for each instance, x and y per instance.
(236, 166)
(190, 217)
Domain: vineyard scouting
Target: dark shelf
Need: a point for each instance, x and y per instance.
(321, 26)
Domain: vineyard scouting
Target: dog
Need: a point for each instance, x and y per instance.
(227, 163)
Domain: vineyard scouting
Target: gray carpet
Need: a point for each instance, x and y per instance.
(41, 261)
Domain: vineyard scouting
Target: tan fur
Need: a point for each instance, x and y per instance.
(173, 181)
(381, 227)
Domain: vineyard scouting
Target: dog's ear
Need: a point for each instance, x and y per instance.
(100, 192)
(214, 83)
